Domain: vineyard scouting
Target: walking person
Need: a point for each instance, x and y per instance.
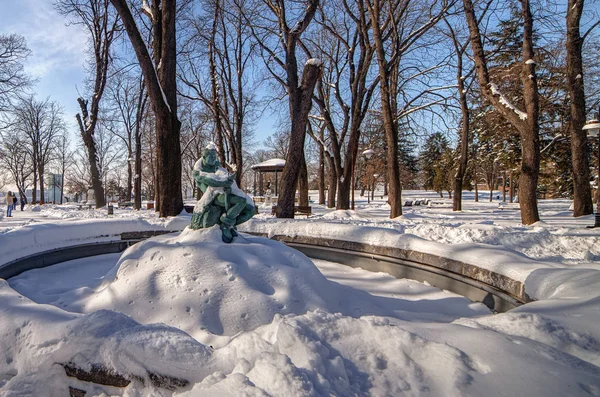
(9, 204)
(23, 202)
(14, 202)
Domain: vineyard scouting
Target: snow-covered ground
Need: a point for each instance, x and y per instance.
(257, 318)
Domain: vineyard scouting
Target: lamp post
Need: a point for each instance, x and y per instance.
(375, 177)
(366, 154)
(593, 129)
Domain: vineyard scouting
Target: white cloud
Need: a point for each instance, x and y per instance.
(57, 51)
(53, 44)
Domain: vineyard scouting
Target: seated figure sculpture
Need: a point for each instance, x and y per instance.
(222, 201)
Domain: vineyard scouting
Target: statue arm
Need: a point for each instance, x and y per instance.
(208, 181)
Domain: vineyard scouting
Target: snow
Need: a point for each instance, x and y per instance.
(270, 163)
(147, 10)
(504, 101)
(314, 62)
(530, 62)
(258, 318)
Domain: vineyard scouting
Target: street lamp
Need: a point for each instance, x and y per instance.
(367, 154)
(375, 177)
(593, 130)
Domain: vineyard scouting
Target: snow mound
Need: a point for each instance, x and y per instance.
(195, 282)
(342, 214)
(542, 329)
(324, 354)
(35, 338)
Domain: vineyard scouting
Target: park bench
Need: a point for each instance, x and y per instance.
(508, 206)
(298, 209)
(408, 203)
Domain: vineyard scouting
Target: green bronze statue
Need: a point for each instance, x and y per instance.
(222, 203)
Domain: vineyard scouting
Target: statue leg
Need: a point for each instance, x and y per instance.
(236, 205)
(196, 220)
(211, 216)
(246, 214)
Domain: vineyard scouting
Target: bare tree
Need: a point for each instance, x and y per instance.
(460, 48)
(228, 93)
(396, 26)
(299, 89)
(525, 122)
(195, 135)
(77, 176)
(582, 197)
(128, 97)
(103, 27)
(64, 160)
(110, 151)
(41, 122)
(160, 73)
(348, 87)
(13, 80)
(17, 160)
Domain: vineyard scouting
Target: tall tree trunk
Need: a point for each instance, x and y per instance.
(526, 123)
(62, 186)
(530, 141)
(137, 181)
(511, 189)
(464, 108)
(41, 178)
(300, 104)
(130, 167)
(322, 173)
(389, 125)
(303, 185)
(476, 180)
(102, 27)
(216, 97)
(34, 191)
(503, 186)
(582, 195)
(464, 142)
(344, 189)
(332, 181)
(90, 144)
(161, 84)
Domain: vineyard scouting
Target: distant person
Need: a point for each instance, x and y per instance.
(14, 202)
(9, 204)
(23, 202)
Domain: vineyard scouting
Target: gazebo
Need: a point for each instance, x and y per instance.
(273, 165)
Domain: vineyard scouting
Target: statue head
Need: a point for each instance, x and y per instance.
(210, 158)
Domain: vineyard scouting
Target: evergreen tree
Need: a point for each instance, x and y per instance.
(435, 146)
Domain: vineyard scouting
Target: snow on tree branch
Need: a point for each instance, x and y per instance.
(146, 9)
(506, 103)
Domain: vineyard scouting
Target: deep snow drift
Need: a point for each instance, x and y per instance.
(194, 282)
(305, 335)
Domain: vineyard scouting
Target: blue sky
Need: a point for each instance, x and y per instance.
(58, 56)
(57, 51)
